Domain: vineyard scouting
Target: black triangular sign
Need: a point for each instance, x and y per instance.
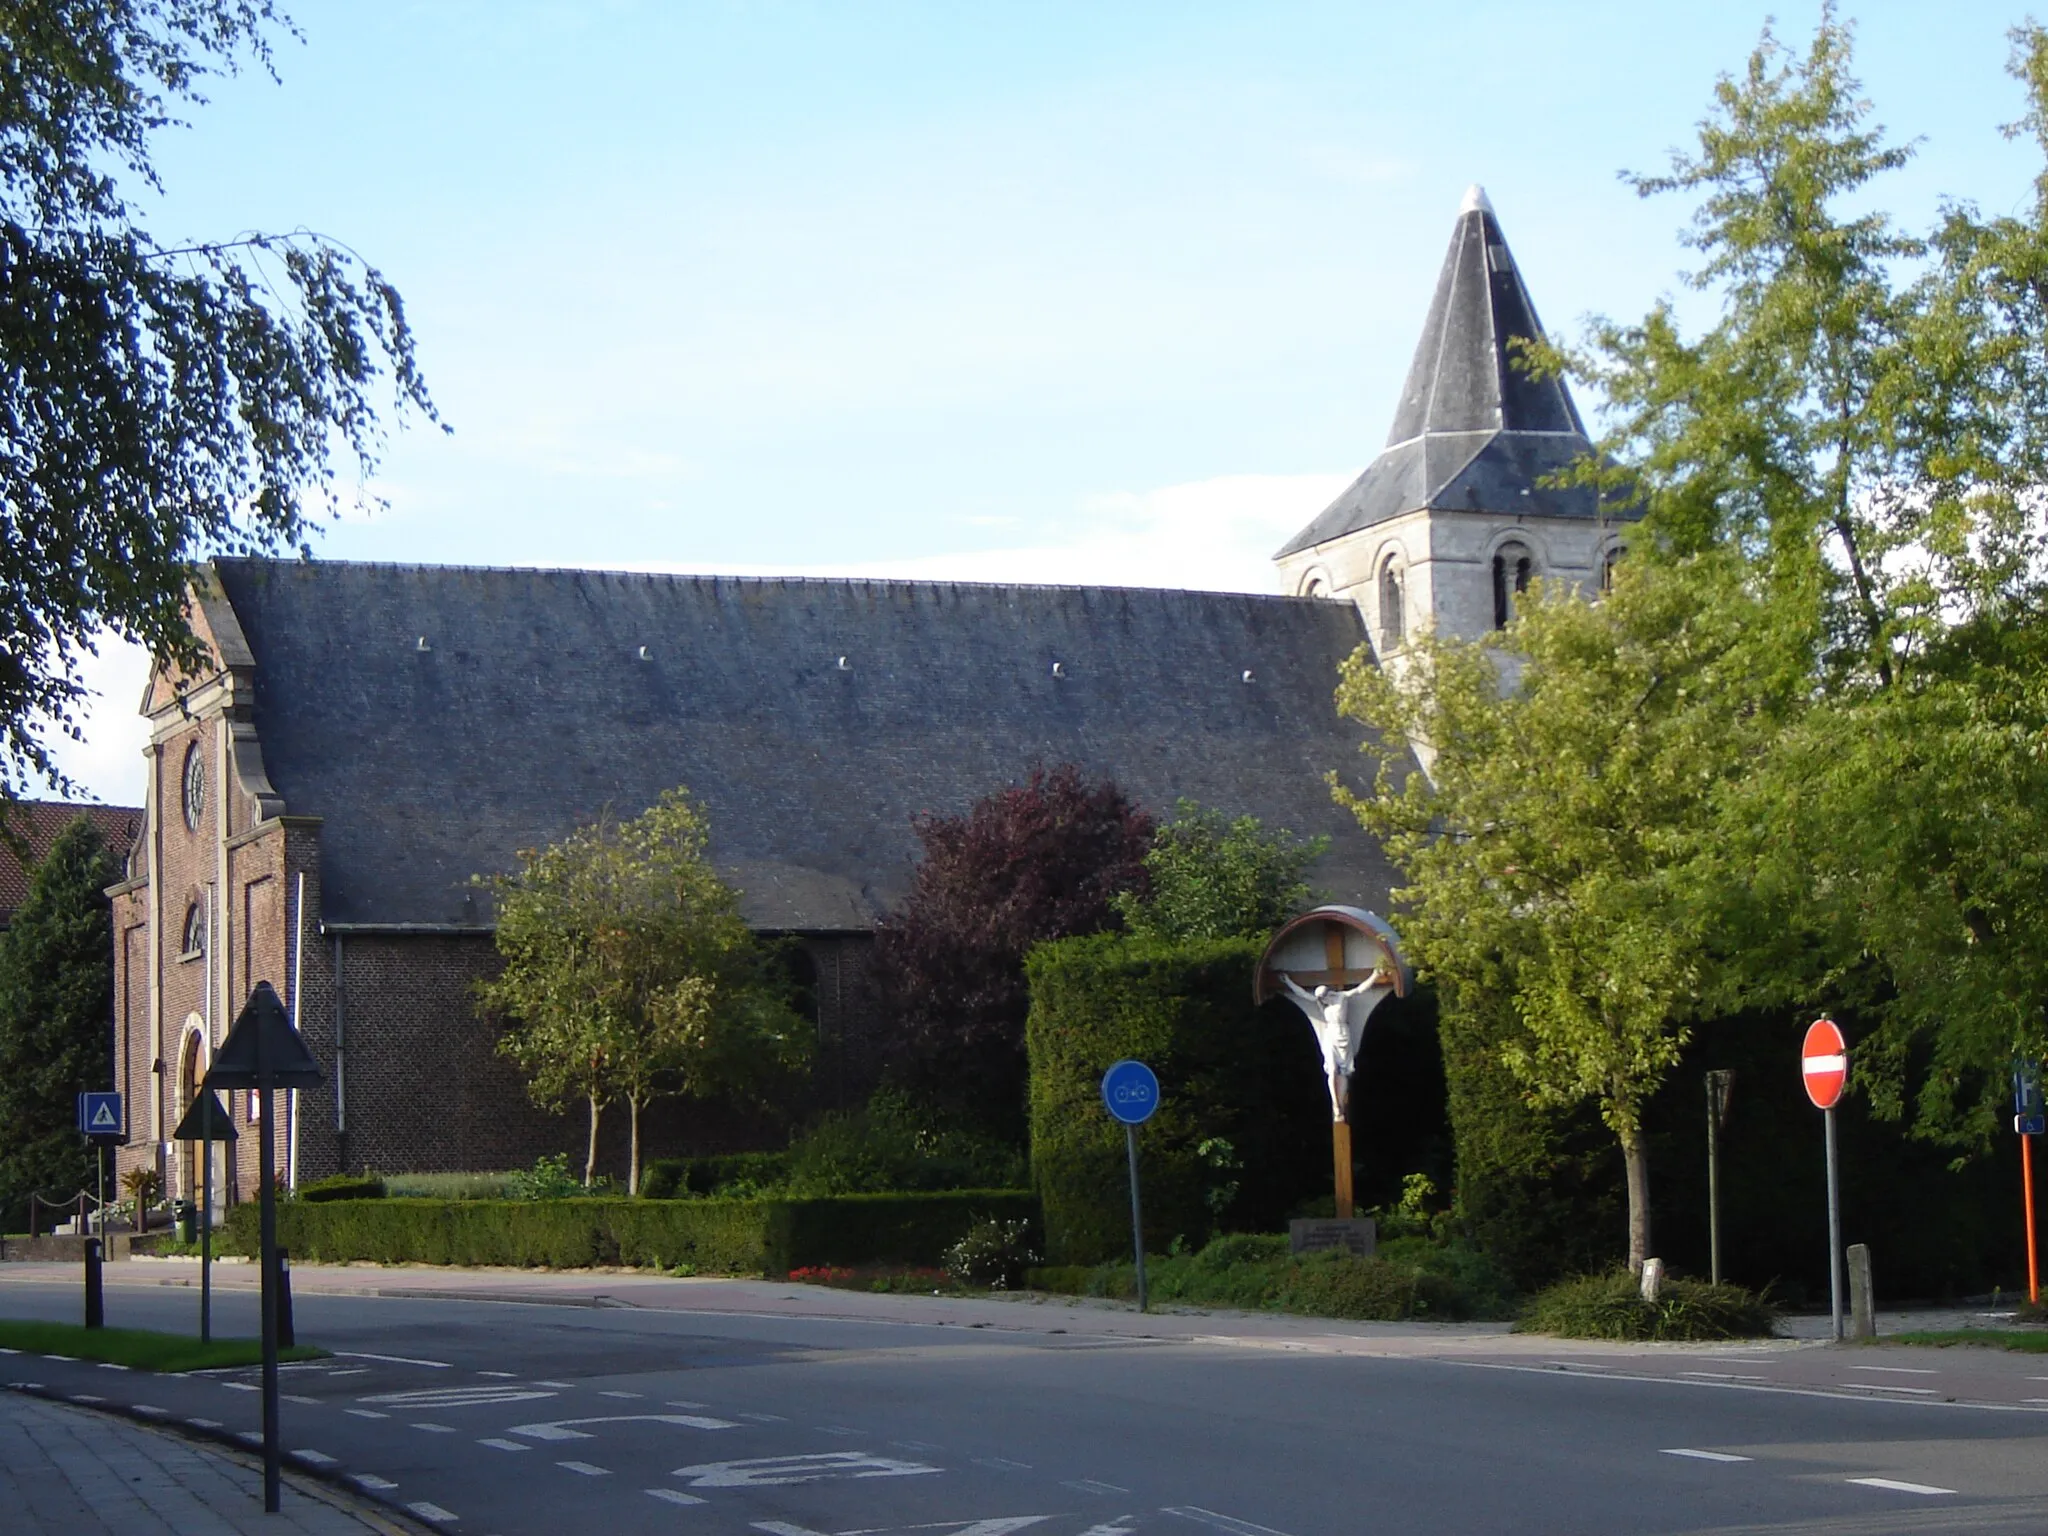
(193, 1126)
(263, 1037)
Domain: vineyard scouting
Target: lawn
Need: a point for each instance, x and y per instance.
(139, 1349)
(2031, 1341)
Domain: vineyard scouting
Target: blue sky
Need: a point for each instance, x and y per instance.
(1061, 292)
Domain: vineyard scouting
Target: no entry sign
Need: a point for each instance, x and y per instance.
(1824, 1063)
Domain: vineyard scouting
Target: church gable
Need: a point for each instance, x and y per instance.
(440, 719)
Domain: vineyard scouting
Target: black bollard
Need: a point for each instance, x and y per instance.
(95, 1298)
(286, 1337)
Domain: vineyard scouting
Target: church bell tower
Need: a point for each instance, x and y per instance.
(1454, 517)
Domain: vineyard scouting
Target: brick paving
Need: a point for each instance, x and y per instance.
(68, 1472)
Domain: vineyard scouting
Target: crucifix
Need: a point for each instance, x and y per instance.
(1337, 999)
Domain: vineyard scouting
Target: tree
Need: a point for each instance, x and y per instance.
(56, 1017)
(1865, 424)
(1211, 876)
(160, 399)
(1041, 860)
(1562, 853)
(630, 975)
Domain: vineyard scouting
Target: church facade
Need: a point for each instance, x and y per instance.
(370, 740)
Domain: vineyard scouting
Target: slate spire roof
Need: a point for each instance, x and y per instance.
(1474, 431)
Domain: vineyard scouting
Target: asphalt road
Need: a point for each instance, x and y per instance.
(510, 1418)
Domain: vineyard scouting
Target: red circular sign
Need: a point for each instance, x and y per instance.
(1824, 1063)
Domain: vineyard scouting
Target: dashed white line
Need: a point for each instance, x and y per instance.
(366, 1413)
(585, 1468)
(901, 1445)
(765, 1418)
(86, 1397)
(559, 1386)
(1893, 1485)
(204, 1423)
(1002, 1464)
(251, 1436)
(317, 1458)
(1680, 1450)
(438, 1365)
(501, 1375)
(784, 1528)
(433, 1512)
(9, 1351)
(373, 1482)
(240, 1386)
(838, 1429)
(673, 1496)
(505, 1445)
(310, 1402)
(152, 1410)
(1885, 1386)
(1090, 1485)
(677, 1402)
(1209, 1517)
(1723, 1376)
(436, 1429)
(1898, 1370)
(622, 1394)
(108, 1365)
(67, 1359)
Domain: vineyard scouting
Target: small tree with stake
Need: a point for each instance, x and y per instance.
(630, 975)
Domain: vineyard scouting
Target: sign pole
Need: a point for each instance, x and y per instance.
(1137, 1215)
(206, 1216)
(2027, 1180)
(1834, 1228)
(266, 1172)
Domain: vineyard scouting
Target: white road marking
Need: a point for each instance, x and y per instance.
(1116, 1527)
(67, 1359)
(501, 1375)
(317, 1458)
(1885, 1386)
(777, 1471)
(239, 1386)
(677, 1402)
(366, 1413)
(672, 1496)
(108, 1365)
(585, 1468)
(1899, 1370)
(152, 1410)
(559, 1386)
(9, 1351)
(1723, 1376)
(1090, 1485)
(86, 1397)
(505, 1445)
(1209, 1517)
(252, 1436)
(1577, 1365)
(436, 1429)
(433, 1512)
(351, 1354)
(354, 1370)
(372, 1480)
(1740, 1359)
(564, 1429)
(622, 1394)
(781, 1528)
(311, 1402)
(998, 1527)
(1893, 1485)
(204, 1423)
(1679, 1450)
(765, 1418)
(912, 1445)
(1002, 1464)
(838, 1429)
(457, 1397)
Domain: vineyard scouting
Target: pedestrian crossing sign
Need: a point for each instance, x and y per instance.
(99, 1116)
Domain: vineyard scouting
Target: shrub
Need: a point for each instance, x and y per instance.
(706, 1236)
(993, 1253)
(344, 1186)
(892, 1145)
(1229, 1073)
(737, 1175)
(449, 1186)
(1611, 1306)
(548, 1179)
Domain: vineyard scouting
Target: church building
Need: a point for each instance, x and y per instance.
(370, 739)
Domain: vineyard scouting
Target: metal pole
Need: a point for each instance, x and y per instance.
(1713, 1181)
(2027, 1176)
(266, 1172)
(99, 1160)
(206, 1216)
(1834, 1229)
(1137, 1217)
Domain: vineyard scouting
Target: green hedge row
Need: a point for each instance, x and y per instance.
(713, 1236)
(672, 1178)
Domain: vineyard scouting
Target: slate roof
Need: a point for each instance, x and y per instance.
(532, 707)
(37, 823)
(1474, 432)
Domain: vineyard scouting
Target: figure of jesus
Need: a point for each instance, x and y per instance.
(1338, 1018)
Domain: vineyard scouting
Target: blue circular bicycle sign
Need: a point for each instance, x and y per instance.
(1130, 1092)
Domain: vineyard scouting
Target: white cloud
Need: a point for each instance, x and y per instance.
(107, 764)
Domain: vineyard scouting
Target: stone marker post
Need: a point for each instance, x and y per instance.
(1862, 1304)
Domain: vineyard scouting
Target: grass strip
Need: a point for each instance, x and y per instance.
(139, 1349)
(2027, 1341)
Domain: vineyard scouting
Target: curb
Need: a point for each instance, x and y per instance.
(329, 1486)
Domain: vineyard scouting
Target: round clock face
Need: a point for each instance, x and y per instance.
(195, 785)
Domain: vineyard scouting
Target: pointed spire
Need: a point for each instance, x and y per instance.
(1475, 201)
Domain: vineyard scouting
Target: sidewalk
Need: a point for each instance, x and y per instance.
(70, 1472)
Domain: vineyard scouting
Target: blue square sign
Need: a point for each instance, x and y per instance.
(99, 1116)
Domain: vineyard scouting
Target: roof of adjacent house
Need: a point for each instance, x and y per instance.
(440, 719)
(1476, 430)
(37, 822)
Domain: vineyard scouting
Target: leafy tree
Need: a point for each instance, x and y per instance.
(1562, 852)
(1866, 424)
(630, 975)
(1216, 877)
(1042, 860)
(160, 398)
(56, 1017)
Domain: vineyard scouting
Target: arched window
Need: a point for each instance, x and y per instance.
(1513, 565)
(1607, 564)
(1393, 625)
(194, 785)
(1315, 586)
(195, 930)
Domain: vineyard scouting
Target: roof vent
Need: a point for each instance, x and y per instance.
(1059, 669)
(845, 665)
(646, 654)
(423, 647)
(1247, 674)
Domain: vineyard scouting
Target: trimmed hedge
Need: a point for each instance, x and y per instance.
(1226, 1069)
(717, 1236)
(344, 1186)
(674, 1178)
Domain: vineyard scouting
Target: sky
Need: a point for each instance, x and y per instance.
(1108, 293)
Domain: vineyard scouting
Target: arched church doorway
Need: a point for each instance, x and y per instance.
(191, 1069)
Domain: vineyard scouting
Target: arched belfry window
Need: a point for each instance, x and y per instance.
(194, 942)
(194, 786)
(1393, 622)
(1513, 565)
